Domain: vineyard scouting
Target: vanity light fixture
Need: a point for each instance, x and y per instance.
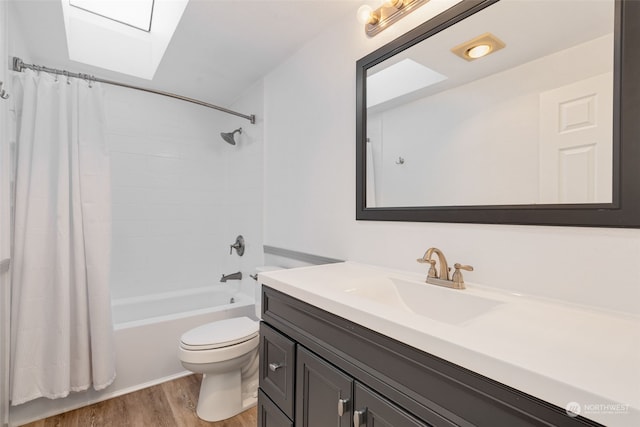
(391, 11)
(478, 47)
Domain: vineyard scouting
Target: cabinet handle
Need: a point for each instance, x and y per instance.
(275, 366)
(359, 417)
(343, 406)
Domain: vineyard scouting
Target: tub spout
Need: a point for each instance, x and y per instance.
(233, 276)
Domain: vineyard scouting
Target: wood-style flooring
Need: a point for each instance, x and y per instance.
(170, 404)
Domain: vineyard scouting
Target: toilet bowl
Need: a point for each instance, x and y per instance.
(226, 353)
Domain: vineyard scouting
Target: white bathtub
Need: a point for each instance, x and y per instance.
(138, 311)
(147, 334)
(148, 330)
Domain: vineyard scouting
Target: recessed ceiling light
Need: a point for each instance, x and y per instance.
(478, 47)
(478, 51)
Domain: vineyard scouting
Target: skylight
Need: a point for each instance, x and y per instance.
(136, 13)
(399, 79)
(102, 34)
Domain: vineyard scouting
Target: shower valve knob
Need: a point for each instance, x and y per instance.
(238, 246)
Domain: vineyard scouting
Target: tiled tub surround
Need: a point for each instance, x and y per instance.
(558, 352)
(181, 194)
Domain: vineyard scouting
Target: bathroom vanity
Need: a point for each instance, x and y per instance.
(337, 350)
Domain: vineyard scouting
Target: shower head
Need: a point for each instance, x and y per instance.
(228, 136)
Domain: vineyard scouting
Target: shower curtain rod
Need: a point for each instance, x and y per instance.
(19, 65)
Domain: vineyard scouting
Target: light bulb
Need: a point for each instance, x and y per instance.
(365, 14)
(478, 51)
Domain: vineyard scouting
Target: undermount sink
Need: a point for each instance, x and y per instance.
(436, 303)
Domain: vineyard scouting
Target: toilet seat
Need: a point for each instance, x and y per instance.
(219, 334)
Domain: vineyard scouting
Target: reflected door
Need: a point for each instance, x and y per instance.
(576, 163)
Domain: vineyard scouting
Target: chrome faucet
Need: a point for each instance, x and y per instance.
(233, 276)
(441, 278)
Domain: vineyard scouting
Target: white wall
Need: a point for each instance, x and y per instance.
(310, 192)
(180, 193)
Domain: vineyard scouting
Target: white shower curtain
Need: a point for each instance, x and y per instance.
(371, 177)
(61, 330)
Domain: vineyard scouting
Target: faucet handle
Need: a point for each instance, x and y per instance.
(238, 245)
(432, 268)
(457, 278)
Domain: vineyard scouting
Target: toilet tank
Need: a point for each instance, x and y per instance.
(258, 290)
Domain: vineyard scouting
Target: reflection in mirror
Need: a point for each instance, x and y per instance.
(528, 124)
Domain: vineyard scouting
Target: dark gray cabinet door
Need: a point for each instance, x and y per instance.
(277, 368)
(269, 415)
(372, 410)
(323, 393)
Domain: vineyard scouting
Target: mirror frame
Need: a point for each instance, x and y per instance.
(624, 211)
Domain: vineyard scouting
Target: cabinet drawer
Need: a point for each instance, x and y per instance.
(269, 415)
(277, 368)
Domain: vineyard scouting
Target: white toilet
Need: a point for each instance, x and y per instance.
(226, 352)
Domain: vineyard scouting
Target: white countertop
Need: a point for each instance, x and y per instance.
(557, 352)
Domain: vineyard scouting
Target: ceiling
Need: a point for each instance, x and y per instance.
(531, 29)
(219, 50)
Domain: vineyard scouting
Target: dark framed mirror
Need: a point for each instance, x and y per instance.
(544, 130)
